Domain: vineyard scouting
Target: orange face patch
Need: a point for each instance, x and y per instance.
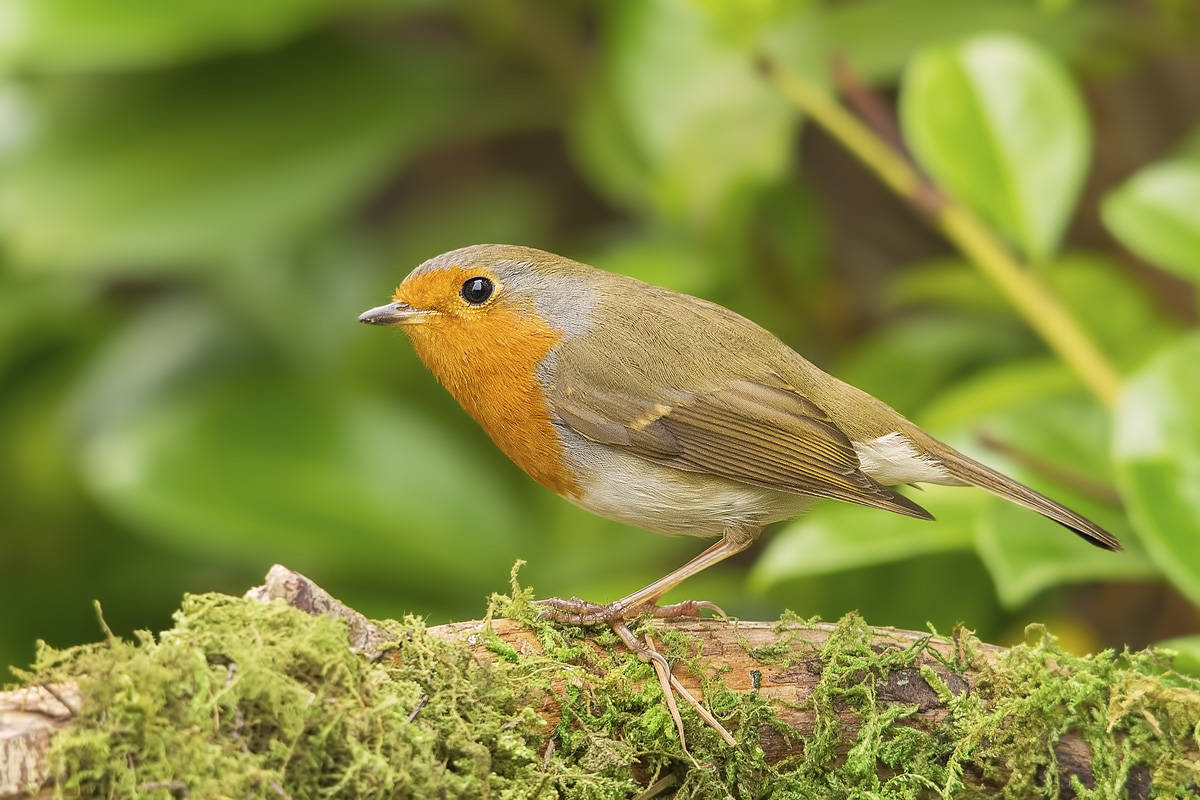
(487, 356)
(441, 289)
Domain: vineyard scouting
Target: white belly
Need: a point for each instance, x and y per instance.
(634, 491)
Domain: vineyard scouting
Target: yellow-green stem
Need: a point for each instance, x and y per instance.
(1040, 307)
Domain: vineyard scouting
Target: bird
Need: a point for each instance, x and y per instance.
(664, 411)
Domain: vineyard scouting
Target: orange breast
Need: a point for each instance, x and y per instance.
(488, 359)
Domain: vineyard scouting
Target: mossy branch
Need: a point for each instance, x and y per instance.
(251, 698)
(1033, 300)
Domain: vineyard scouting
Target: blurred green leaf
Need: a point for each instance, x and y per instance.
(1157, 453)
(909, 364)
(701, 116)
(1112, 306)
(879, 36)
(745, 19)
(337, 271)
(1027, 553)
(671, 261)
(840, 536)
(939, 588)
(604, 148)
(1156, 214)
(27, 302)
(171, 347)
(999, 125)
(269, 469)
(1035, 406)
(117, 34)
(1187, 649)
(1032, 422)
(219, 159)
(949, 282)
(999, 388)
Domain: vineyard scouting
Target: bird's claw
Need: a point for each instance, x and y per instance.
(576, 611)
(688, 608)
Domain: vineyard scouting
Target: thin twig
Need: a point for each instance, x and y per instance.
(1033, 300)
(60, 697)
(662, 669)
(420, 704)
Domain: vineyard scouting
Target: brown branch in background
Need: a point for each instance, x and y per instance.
(878, 115)
(869, 105)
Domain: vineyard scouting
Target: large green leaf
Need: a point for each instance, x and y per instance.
(1157, 452)
(1156, 214)
(699, 113)
(999, 125)
(216, 160)
(1115, 308)
(839, 536)
(913, 360)
(1026, 553)
(1187, 654)
(87, 35)
(267, 468)
(1032, 422)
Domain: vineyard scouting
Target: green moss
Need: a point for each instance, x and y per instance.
(1132, 712)
(245, 699)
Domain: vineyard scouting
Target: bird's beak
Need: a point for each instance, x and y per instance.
(395, 314)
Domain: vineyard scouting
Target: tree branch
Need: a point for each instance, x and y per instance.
(812, 705)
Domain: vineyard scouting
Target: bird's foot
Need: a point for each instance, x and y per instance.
(616, 615)
(576, 611)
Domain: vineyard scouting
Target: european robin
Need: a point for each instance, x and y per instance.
(662, 410)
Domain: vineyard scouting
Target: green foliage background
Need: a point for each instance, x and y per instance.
(197, 198)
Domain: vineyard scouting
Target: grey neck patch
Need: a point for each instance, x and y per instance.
(565, 301)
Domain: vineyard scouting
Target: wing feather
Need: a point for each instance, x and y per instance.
(753, 432)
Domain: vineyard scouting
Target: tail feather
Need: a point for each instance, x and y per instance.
(970, 471)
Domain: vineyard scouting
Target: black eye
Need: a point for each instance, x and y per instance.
(477, 290)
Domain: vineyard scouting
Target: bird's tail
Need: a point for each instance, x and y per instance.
(970, 471)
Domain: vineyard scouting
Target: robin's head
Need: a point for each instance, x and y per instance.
(483, 319)
(475, 290)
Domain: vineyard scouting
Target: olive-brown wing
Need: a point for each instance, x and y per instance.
(747, 431)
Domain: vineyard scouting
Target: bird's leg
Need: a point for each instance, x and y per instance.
(581, 612)
(617, 614)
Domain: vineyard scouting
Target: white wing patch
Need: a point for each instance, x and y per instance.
(893, 460)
